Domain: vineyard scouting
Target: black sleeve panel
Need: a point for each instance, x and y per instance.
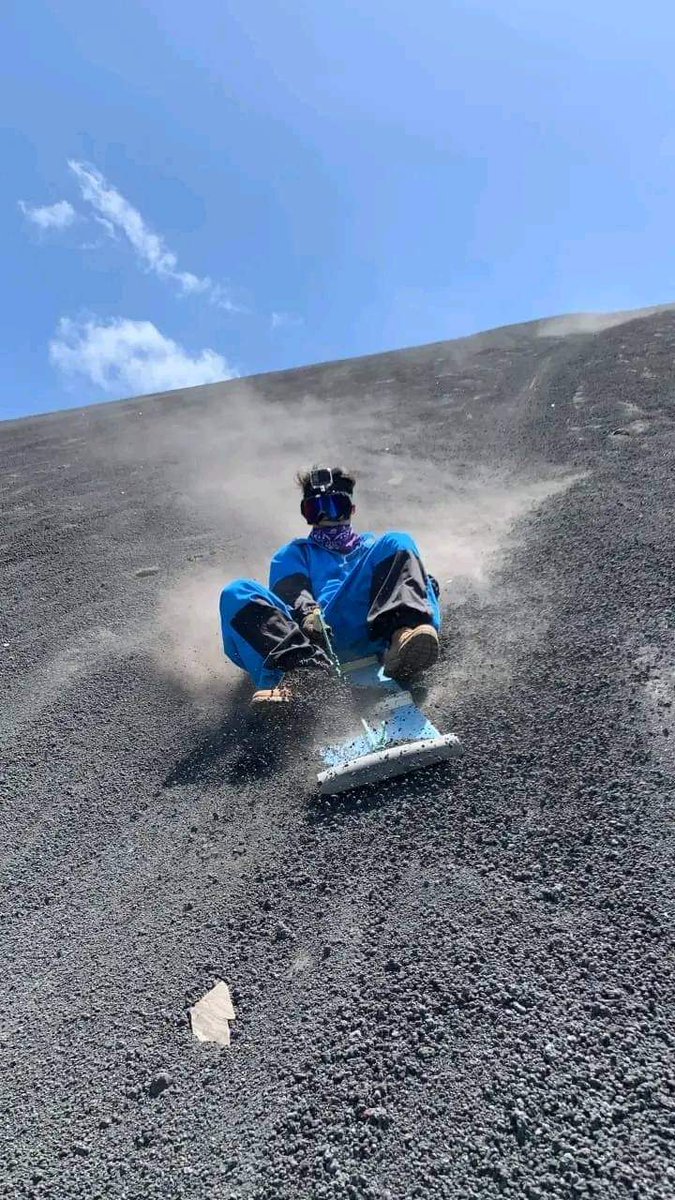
(295, 590)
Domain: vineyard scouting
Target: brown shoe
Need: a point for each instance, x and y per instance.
(302, 686)
(411, 651)
(281, 694)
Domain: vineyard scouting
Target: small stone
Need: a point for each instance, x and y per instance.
(159, 1084)
(377, 1115)
(553, 894)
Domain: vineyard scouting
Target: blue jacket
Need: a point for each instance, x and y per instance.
(304, 574)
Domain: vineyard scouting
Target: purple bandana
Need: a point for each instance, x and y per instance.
(342, 538)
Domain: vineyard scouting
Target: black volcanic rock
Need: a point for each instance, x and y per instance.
(458, 984)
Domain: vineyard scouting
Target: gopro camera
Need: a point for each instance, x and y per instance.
(321, 480)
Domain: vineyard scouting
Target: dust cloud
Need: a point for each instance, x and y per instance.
(234, 472)
(567, 325)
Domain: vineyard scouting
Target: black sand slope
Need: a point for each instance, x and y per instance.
(459, 984)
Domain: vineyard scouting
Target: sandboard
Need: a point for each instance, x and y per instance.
(391, 735)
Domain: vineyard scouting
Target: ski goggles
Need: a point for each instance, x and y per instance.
(329, 506)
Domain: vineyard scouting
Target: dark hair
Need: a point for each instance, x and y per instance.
(341, 479)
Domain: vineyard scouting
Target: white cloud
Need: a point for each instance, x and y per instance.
(107, 225)
(115, 213)
(125, 357)
(49, 216)
(284, 320)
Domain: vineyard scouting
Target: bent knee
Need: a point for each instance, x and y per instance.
(237, 592)
(397, 539)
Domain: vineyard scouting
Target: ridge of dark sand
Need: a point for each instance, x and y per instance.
(460, 984)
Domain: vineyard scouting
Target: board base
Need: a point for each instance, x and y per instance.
(387, 763)
(390, 734)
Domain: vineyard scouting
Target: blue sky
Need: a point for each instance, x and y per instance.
(234, 186)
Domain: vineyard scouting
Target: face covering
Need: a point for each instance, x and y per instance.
(342, 538)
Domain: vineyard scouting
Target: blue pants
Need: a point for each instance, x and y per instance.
(386, 588)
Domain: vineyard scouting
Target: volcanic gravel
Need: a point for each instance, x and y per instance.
(455, 984)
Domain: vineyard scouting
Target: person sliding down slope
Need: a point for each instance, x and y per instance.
(372, 592)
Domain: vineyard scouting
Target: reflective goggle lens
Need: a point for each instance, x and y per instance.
(335, 507)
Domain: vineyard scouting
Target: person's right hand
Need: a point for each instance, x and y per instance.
(315, 628)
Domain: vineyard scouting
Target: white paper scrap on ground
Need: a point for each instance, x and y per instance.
(211, 1015)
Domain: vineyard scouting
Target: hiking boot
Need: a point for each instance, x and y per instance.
(411, 651)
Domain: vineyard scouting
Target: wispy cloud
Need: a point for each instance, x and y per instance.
(284, 320)
(107, 225)
(115, 213)
(125, 357)
(49, 216)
